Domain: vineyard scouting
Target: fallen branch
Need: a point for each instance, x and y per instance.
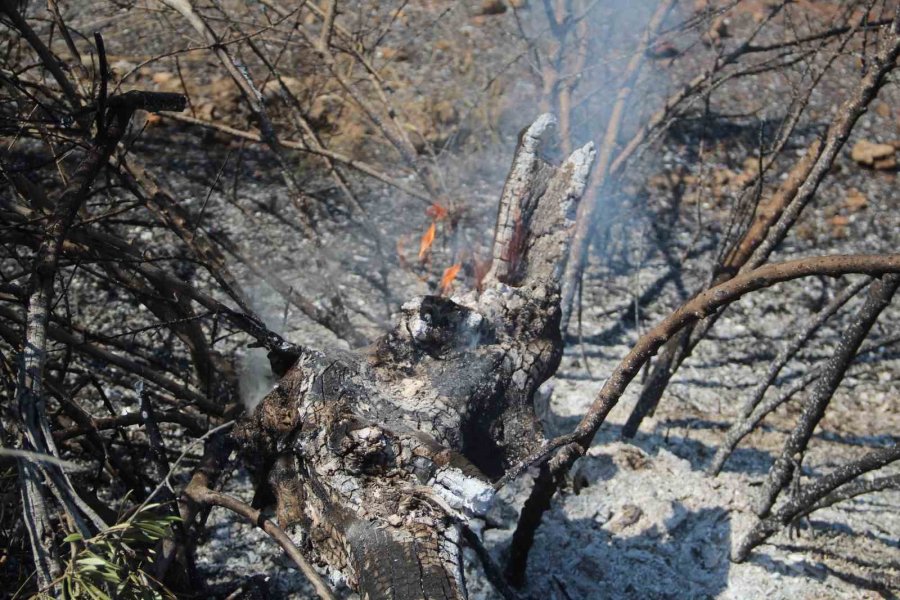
(808, 498)
(778, 216)
(205, 495)
(880, 294)
(563, 451)
(748, 416)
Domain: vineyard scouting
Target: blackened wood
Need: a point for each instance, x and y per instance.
(377, 459)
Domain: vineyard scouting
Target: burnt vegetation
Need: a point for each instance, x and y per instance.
(193, 185)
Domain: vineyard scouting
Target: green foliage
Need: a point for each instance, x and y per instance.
(110, 565)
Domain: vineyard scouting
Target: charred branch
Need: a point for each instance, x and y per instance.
(880, 294)
(745, 424)
(814, 496)
(773, 223)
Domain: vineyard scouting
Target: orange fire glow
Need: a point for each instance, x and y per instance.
(449, 276)
(436, 211)
(427, 240)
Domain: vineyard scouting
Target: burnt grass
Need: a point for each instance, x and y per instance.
(638, 518)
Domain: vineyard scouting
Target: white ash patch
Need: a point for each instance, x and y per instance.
(472, 496)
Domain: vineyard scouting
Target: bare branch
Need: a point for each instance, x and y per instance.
(780, 474)
(206, 496)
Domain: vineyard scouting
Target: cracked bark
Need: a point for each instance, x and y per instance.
(374, 461)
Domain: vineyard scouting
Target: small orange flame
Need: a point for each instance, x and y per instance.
(436, 211)
(448, 277)
(427, 240)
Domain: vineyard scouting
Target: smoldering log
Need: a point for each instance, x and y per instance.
(377, 458)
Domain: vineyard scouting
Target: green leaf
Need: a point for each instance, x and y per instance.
(96, 593)
(110, 576)
(91, 560)
(153, 529)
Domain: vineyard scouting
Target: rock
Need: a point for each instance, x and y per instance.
(626, 517)
(152, 119)
(839, 225)
(272, 89)
(224, 93)
(717, 31)
(747, 175)
(874, 155)
(162, 78)
(445, 113)
(855, 201)
(166, 82)
(886, 164)
(663, 49)
(722, 177)
(429, 122)
(443, 45)
(394, 54)
(491, 7)
(121, 66)
(207, 111)
(631, 458)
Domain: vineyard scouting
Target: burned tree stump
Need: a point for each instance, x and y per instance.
(379, 458)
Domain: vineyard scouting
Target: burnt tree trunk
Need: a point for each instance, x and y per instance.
(375, 460)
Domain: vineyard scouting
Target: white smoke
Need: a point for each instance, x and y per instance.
(254, 373)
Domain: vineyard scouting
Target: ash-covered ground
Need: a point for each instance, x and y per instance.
(639, 518)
